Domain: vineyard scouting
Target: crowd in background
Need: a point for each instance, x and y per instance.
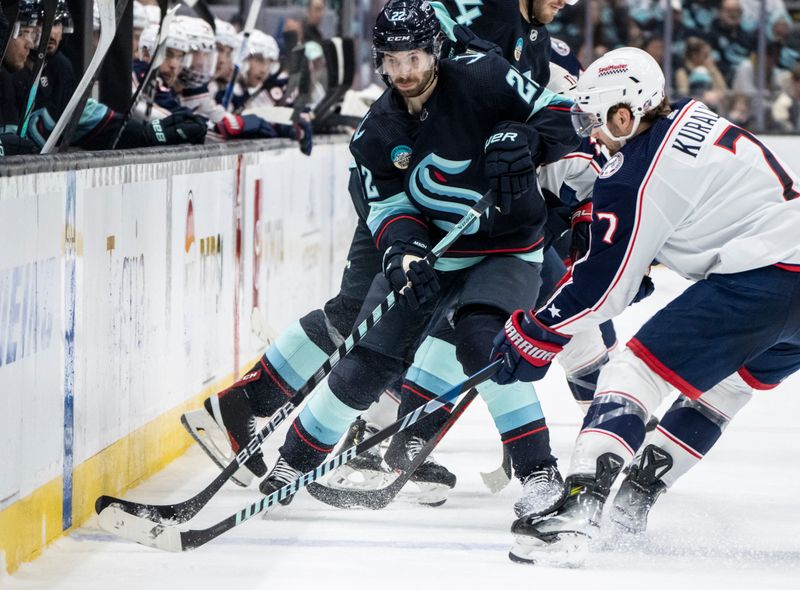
(710, 55)
(713, 54)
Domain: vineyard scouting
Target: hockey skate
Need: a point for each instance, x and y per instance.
(542, 491)
(362, 472)
(223, 427)
(561, 538)
(640, 490)
(280, 475)
(432, 481)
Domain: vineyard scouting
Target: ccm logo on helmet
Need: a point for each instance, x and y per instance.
(609, 70)
(500, 137)
(527, 348)
(398, 38)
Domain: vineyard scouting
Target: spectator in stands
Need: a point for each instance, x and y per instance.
(744, 81)
(731, 44)
(698, 16)
(785, 110)
(698, 69)
(314, 14)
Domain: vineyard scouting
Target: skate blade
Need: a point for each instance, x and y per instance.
(349, 478)
(567, 550)
(622, 525)
(425, 493)
(213, 440)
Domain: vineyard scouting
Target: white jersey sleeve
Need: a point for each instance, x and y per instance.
(695, 193)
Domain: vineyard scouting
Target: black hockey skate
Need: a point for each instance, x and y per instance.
(640, 490)
(280, 475)
(542, 491)
(561, 538)
(362, 472)
(222, 428)
(432, 480)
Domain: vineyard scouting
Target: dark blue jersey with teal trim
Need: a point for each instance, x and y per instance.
(421, 173)
(526, 45)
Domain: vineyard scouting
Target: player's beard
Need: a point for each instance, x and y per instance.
(418, 89)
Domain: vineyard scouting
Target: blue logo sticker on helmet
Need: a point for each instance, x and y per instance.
(401, 156)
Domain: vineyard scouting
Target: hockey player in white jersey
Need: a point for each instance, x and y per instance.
(690, 190)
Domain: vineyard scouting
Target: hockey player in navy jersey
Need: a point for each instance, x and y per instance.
(443, 133)
(301, 348)
(690, 190)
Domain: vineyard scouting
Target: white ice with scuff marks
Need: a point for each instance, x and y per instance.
(733, 522)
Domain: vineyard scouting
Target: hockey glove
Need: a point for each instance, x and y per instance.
(580, 221)
(12, 144)
(305, 135)
(509, 166)
(527, 348)
(410, 273)
(245, 127)
(178, 128)
(646, 289)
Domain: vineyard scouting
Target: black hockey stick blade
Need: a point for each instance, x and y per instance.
(381, 498)
(170, 538)
(186, 510)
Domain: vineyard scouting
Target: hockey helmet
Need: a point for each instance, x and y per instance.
(261, 45)
(201, 57)
(226, 34)
(628, 76)
(64, 17)
(28, 21)
(140, 18)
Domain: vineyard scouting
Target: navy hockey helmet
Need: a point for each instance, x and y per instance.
(63, 17)
(405, 25)
(31, 13)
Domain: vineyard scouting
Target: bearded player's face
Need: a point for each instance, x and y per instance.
(409, 71)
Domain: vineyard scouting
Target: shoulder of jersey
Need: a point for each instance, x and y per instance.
(378, 130)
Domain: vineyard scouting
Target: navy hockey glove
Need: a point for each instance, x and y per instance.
(580, 221)
(527, 348)
(180, 127)
(509, 166)
(646, 289)
(410, 273)
(12, 144)
(305, 135)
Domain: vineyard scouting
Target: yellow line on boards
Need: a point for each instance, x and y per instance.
(28, 525)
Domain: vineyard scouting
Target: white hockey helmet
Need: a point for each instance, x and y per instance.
(626, 76)
(95, 17)
(562, 81)
(226, 34)
(262, 45)
(201, 57)
(140, 19)
(153, 14)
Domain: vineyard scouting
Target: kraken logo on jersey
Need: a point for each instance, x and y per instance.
(425, 190)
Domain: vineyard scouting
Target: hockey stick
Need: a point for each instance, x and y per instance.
(155, 63)
(381, 498)
(498, 479)
(250, 24)
(169, 538)
(203, 11)
(183, 511)
(109, 14)
(38, 64)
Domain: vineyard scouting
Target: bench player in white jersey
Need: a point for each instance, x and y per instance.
(687, 188)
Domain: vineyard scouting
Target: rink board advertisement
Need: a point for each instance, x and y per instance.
(126, 296)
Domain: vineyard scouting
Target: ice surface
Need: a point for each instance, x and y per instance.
(732, 522)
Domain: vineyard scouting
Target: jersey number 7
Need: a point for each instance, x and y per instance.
(728, 141)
